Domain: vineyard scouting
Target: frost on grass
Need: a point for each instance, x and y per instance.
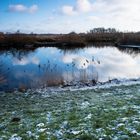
(111, 113)
(15, 137)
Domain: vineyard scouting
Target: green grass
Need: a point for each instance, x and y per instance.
(82, 115)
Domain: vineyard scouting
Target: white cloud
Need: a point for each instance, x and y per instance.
(83, 6)
(68, 10)
(33, 9)
(121, 14)
(101, 6)
(17, 8)
(22, 8)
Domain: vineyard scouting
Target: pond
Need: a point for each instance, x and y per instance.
(51, 66)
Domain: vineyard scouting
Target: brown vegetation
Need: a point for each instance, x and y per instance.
(101, 35)
(19, 39)
(71, 38)
(2, 77)
(2, 37)
(130, 39)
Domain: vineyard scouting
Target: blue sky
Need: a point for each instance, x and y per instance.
(63, 16)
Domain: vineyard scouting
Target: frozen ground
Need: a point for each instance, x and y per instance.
(111, 113)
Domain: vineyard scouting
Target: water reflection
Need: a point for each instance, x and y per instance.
(132, 51)
(3, 74)
(52, 66)
(24, 61)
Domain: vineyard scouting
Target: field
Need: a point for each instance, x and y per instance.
(97, 114)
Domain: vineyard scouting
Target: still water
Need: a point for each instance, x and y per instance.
(51, 66)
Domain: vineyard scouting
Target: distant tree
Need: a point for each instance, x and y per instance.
(18, 32)
(98, 30)
(103, 30)
(72, 33)
(111, 30)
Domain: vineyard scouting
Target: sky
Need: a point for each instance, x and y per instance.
(64, 16)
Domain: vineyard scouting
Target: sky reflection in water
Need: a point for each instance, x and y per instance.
(51, 66)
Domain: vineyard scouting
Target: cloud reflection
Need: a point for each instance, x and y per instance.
(115, 64)
(100, 64)
(78, 61)
(68, 58)
(81, 62)
(25, 61)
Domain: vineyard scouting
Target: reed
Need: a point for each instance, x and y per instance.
(2, 74)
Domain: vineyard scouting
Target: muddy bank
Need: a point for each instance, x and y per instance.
(80, 86)
(89, 85)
